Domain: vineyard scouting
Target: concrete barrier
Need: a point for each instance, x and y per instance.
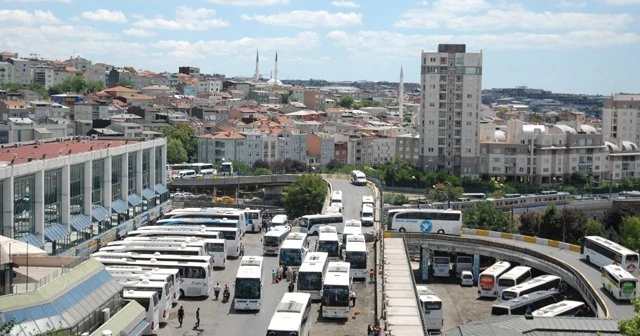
(523, 238)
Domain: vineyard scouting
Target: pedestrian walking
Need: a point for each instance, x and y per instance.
(279, 273)
(291, 287)
(352, 297)
(216, 291)
(180, 316)
(288, 273)
(294, 276)
(372, 276)
(284, 272)
(197, 319)
(273, 276)
(370, 330)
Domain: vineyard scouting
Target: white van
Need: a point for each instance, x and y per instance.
(366, 215)
(187, 174)
(336, 199)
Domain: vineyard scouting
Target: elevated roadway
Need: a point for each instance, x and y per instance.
(547, 255)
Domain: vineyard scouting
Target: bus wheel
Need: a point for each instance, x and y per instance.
(441, 231)
(403, 230)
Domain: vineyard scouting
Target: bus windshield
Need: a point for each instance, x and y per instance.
(290, 257)
(271, 241)
(309, 281)
(335, 296)
(632, 258)
(497, 310)
(331, 247)
(247, 289)
(356, 259)
(215, 247)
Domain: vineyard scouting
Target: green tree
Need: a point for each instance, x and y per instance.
(5, 327)
(184, 134)
(630, 233)
(95, 86)
(485, 215)
(631, 327)
(550, 226)
(12, 87)
(261, 171)
(305, 196)
(395, 198)
(530, 223)
(443, 192)
(125, 82)
(345, 101)
(242, 167)
(594, 228)
(176, 152)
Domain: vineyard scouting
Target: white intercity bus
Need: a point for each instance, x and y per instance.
(620, 283)
(336, 291)
(273, 239)
(425, 221)
(311, 274)
(431, 307)
(488, 280)
(160, 287)
(150, 302)
(351, 227)
(311, 223)
(356, 256)
(293, 250)
(562, 308)
(513, 277)
(602, 252)
(141, 274)
(329, 242)
(248, 284)
(542, 282)
(441, 266)
(291, 317)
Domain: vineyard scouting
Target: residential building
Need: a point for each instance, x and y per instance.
(407, 149)
(10, 108)
(314, 99)
(621, 118)
(216, 148)
(209, 85)
(128, 129)
(79, 63)
(93, 109)
(291, 144)
(6, 73)
(189, 70)
(21, 70)
(296, 94)
(43, 75)
(320, 148)
(46, 109)
(63, 194)
(451, 93)
(624, 160)
(341, 151)
(157, 90)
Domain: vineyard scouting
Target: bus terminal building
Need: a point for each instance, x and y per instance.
(67, 195)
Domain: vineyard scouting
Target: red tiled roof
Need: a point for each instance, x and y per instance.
(223, 135)
(52, 149)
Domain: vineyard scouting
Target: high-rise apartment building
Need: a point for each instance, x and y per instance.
(450, 110)
(621, 117)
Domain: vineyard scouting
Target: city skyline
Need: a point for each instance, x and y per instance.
(566, 46)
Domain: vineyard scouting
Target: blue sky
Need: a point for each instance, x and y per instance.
(581, 46)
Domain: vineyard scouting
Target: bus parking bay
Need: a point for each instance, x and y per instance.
(217, 318)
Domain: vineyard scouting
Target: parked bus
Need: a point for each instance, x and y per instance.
(279, 220)
(232, 236)
(253, 218)
(513, 277)
(368, 200)
(431, 308)
(336, 291)
(543, 282)
(198, 167)
(425, 221)
(358, 178)
(291, 317)
(214, 247)
(356, 255)
(293, 250)
(160, 287)
(562, 308)
(620, 283)
(329, 242)
(173, 287)
(488, 280)
(175, 249)
(154, 256)
(273, 239)
(366, 215)
(602, 252)
(230, 214)
(196, 277)
(248, 284)
(310, 223)
(526, 303)
(311, 274)
(150, 302)
(441, 266)
(351, 227)
(336, 199)
(463, 263)
(199, 222)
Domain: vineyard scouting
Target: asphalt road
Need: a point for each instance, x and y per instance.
(217, 318)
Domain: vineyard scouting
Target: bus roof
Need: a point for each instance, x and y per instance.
(339, 267)
(330, 215)
(337, 278)
(316, 256)
(289, 312)
(526, 299)
(249, 272)
(296, 236)
(619, 273)
(557, 308)
(533, 282)
(292, 243)
(138, 294)
(608, 243)
(251, 261)
(356, 238)
(516, 271)
(356, 246)
(280, 231)
(497, 268)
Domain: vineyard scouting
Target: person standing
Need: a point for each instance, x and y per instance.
(291, 287)
(273, 276)
(372, 274)
(288, 273)
(216, 291)
(353, 298)
(180, 316)
(197, 319)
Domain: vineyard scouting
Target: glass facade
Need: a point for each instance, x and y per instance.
(52, 197)
(24, 205)
(76, 175)
(133, 162)
(97, 181)
(146, 168)
(159, 167)
(116, 177)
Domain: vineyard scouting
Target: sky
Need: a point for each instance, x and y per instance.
(570, 46)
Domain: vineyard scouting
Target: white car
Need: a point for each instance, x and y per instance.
(466, 278)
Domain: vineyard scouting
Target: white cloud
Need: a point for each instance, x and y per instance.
(623, 2)
(203, 49)
(385, 43)
(185, 19)
(479, 15)
(571, 4)
(308, 19)
(19, 16)
(137, 32)
(30, 1)
(345, 3)
(247, 3)
(104, 15)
